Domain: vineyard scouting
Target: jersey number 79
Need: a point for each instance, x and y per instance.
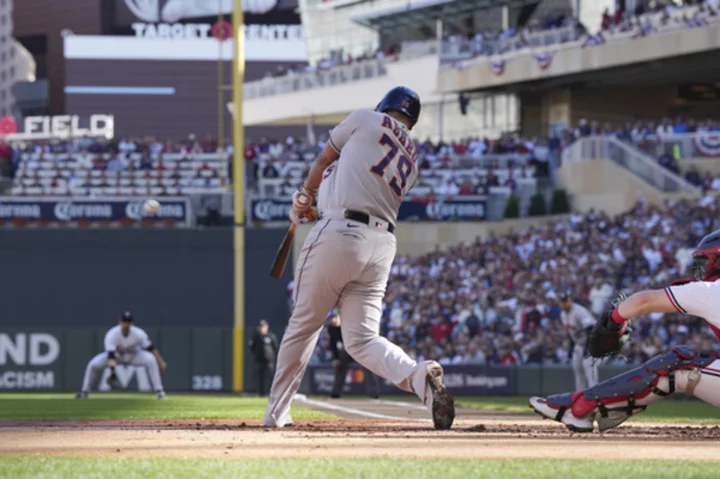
(404, 166)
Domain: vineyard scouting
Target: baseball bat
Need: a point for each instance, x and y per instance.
(283, 253)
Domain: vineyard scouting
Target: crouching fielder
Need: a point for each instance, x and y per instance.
(129, 345)
(680, 370)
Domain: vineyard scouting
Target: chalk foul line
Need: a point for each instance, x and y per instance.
(302, 399)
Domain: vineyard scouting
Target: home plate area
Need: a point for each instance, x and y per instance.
(369, 428)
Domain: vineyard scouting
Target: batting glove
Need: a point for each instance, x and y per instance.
(302, 209)
(305, 217)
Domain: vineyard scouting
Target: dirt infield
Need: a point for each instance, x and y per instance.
(391, 431)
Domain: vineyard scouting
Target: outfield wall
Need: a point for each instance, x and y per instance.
(200, 359)
(75, 283)
(54, 359)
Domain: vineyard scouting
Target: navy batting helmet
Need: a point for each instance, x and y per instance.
(401, 99)
(706, 258)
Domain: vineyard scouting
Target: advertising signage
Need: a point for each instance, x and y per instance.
(199, 19)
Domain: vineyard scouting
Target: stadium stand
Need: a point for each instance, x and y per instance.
(557, 27)
(646, 19)
(476, 166)
(129, 168)
(465, 167)
(493, 301)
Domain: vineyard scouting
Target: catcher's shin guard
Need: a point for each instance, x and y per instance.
(629, 393)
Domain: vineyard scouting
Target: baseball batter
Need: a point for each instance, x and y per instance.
(130, 345)
(366, 168)
(578, 322)
(680, 370)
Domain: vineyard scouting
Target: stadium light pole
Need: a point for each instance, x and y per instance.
(238, 75)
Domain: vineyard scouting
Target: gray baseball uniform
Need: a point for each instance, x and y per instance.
(346, 263)
(577, 321)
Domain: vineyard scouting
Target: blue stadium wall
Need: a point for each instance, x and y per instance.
(62, 289)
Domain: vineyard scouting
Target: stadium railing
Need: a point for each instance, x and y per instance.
(317, 79)
(337, 74)
(688, 145)
(629, 157)
(417, 49)
(455, 51)
(569, 37)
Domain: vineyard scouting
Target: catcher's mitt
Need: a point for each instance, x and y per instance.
(113, 381)
(607, 338)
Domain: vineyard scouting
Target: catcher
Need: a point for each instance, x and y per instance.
(613, 401)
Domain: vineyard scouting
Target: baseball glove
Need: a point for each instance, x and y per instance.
(113, 381)
(607, 338)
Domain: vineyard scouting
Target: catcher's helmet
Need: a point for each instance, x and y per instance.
(706, 257)
(401, 99)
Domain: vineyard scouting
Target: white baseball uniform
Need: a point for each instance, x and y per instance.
(585, 369)
(128, 350)
(346, 263)
(701, 299)
(680, 370)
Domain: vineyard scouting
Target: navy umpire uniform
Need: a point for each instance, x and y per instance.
(342, 361)
(264, 346)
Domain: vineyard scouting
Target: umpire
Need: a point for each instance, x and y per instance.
(264, 346)
(342, 361)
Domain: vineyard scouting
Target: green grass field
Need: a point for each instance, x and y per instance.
(116, 406)
(18, 406)
(692, 411)
(39, 407)
(41, 467)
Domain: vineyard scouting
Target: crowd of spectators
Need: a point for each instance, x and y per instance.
(557, 27)
(521, 157)
(494, 42)
(658, 139)
(532, 159)
(552, 27)
(124, 167)
(494, 301)
(669, 13)
(448, 169)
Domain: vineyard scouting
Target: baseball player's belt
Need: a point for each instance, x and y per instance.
(361, 217)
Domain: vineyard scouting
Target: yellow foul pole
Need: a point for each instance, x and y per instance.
(238, 169)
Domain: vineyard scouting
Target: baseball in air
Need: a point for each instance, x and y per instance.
(151, 207)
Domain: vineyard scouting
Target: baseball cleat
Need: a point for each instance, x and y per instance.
(161, 395)
(566, 417)
(81, 395)
(443, 404)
